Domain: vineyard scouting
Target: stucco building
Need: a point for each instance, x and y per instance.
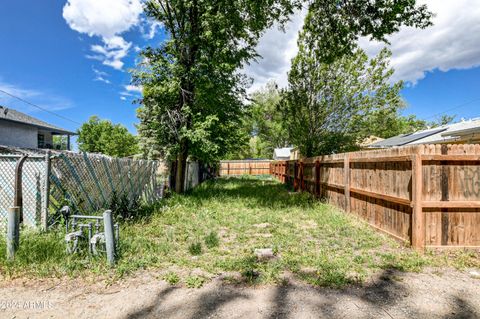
(18, 129)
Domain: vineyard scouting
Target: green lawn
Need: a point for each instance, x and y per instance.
(216, 228)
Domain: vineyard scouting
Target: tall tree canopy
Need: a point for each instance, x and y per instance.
(101, 136)
(327, 105)
(267, 119)
(192, 91)
(332, 27)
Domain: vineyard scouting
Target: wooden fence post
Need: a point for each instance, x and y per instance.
(302, 182)
(295, 176)
(317, 178)
(228, 168)
(418, 219)
(346, 174)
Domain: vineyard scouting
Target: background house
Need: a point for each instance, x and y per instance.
(464, 132)
(282, 154)
(21, 130)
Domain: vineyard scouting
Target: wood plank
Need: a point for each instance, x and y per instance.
(342, 187)
(404, 158)
(451, 204)
(452, 247)
(451, 158)
(384, 197)
(331, 161)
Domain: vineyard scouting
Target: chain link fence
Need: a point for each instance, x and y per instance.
(86, 182)
(33, 187)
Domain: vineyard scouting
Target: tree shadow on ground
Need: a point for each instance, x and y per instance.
(384, 297)
(144, 312)
(204, 305)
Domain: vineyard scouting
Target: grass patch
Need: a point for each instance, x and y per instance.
(195, 249)
(211, 240)
(172, 278)
(195, 281)
(231, 218)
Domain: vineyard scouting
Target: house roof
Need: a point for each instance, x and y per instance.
(282, 152)
(442, 134)
(12, 115)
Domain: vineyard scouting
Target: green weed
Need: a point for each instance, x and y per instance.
(211, 240)
(195, 249)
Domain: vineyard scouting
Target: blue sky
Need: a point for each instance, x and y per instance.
(44, 61)
(74, 59)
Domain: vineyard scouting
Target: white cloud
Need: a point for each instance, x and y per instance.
(131, 91)
(277, 48)
(451, 43)
(45, 99)
(106, 19)
(133, 88)
(100, 76)
(153, 27)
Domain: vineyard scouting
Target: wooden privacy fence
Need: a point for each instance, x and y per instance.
(245, 167)
(428, 195)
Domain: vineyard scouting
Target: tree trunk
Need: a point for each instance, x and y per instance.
(181, 169)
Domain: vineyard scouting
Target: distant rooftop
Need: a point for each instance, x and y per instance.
(282, 152)
(12, 115)
(442, 134)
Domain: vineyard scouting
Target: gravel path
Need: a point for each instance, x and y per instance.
(391, 294)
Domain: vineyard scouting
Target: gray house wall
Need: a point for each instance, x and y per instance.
(18, 135)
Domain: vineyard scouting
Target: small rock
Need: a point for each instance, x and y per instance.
(264, 253)
(475, 274)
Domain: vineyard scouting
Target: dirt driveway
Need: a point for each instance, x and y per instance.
(391, 294)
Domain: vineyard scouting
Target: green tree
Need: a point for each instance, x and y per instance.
(389, 122)
(60, 142)
(443, 120)
(267, 120)
(327, 105)
(101, 136)
(192, 90)
(332, 27)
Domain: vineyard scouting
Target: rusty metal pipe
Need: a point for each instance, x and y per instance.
(18, 196)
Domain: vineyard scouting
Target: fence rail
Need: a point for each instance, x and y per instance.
(245, 167)
(428, 195)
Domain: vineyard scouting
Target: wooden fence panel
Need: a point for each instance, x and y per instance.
(428, 195)
(245, 167)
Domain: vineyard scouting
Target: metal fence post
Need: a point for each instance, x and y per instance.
(18, 194)
(109, 236)
(13, 231)
(46, 193)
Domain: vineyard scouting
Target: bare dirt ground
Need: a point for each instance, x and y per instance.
(390, 294)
